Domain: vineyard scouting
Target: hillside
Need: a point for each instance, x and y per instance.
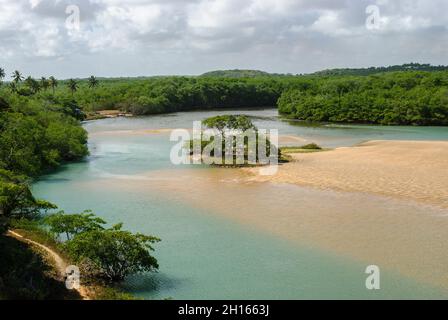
(236, 74)
(374, 70)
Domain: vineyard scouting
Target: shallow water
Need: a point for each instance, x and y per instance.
(222, 239)
(326, 135)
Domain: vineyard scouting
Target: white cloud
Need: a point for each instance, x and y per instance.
(265, 34)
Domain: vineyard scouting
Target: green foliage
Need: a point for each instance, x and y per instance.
(238, 124)
(374, 70)
(93, 82)
(311, 146)
(72, 86)
(16, 199)
(236, 73)
(39, 135)
(173, 94)
(404, 98)
(71, 225)
(375, 95)
(229, 122)
(115, 253)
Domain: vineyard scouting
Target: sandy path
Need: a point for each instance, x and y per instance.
(60, 264)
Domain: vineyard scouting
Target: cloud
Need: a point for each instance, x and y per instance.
(178, 36)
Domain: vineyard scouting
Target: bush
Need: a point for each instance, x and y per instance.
(114, 253)
(311, 146)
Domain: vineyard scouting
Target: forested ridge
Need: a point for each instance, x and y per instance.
(411, 97)
(374, 70)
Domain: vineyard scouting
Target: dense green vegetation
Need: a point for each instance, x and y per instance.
(236, 74)
(373, 95)
(35, 136)
(236, 131)
(107, 253)
(113, 254)
(40, 130)
(171, 94)
(402, 98)
(375, 70)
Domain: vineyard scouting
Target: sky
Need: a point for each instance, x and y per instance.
(111, 38)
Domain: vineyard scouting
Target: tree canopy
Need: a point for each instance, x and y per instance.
(409, 98)
(71, 225)
(16, 199)
(114, 253)
(229, 122)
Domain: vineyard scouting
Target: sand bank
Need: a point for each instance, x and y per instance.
(416, 170)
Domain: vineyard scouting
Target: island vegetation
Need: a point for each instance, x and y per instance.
(237, 139)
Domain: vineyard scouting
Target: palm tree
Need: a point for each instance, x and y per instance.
(93, 82)
(44, 83)
(13, 87)
(72, 86)
(17, 77)
(33, 84)
(53, 83)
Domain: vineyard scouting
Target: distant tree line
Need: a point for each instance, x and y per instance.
(401, 98)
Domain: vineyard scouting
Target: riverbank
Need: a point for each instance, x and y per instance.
(106, 114)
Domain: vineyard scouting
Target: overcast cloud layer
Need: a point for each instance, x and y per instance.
(152, 37)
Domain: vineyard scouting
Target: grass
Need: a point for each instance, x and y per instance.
(309, 148)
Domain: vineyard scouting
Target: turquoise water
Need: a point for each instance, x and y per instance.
(202, 254)
(326, 135)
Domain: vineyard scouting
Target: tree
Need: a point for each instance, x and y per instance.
(32, 84)
(72, 86)
(2, 75)
(93, 82)
(16, 199)
(44, 83)
(73, 224)
(53, 83)
(17, 77)
(114, 253)
(4, 106)
(13, 87)
(229, 122)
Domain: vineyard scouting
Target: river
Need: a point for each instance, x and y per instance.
(212, 244)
